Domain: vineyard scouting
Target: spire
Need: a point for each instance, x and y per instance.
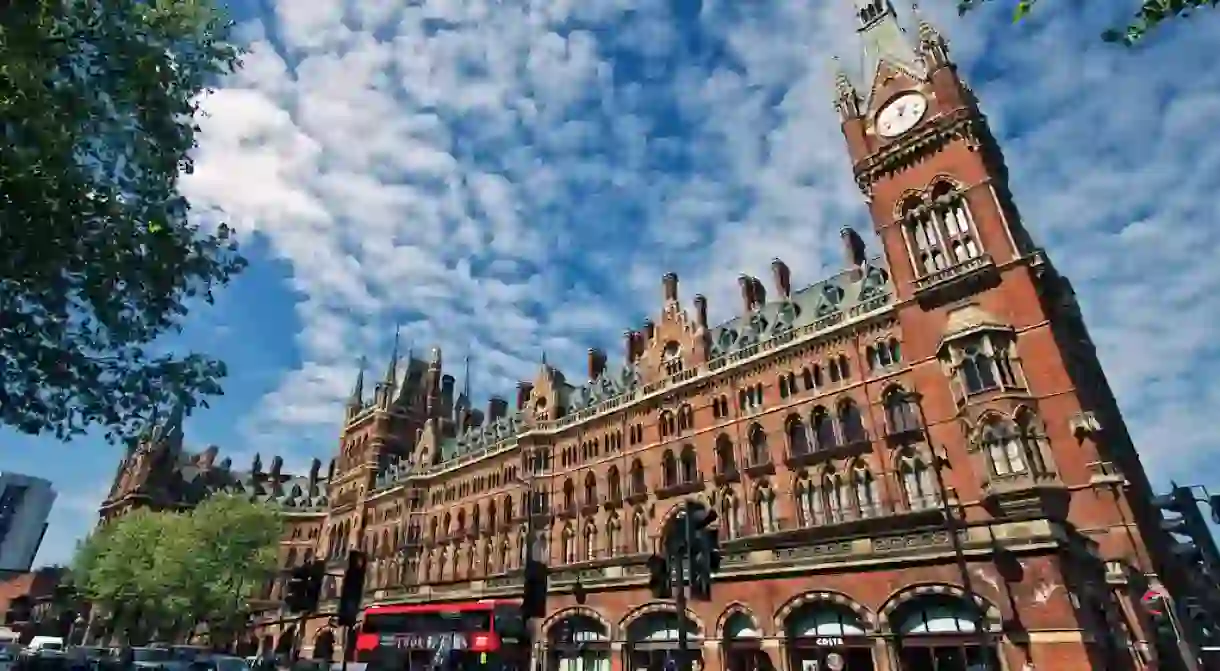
(466, 375)
(391, 372)
(847, 100)
(357, 399)
(932, 45)
(884, 39)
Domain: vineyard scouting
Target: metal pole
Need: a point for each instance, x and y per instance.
(682, 552)
(347, 645)
(951, 528)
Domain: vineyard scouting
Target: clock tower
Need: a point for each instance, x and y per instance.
(924, 158)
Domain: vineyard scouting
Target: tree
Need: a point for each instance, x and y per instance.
(121, 568)
(165, 572)
(100, 260)
(229, 549)
(1149, 15)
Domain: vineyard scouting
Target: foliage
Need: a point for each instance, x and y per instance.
(97, 105)
(1149, 15)
(229, 550)
(183, 568)
(121, 566)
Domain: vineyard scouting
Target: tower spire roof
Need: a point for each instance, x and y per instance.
(391, 372)
(884, 38)
(357, 398)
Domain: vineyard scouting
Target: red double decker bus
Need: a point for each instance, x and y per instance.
(484, 635)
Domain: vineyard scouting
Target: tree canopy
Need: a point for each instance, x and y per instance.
(1148, 15)
(178, 569)
(97, 108)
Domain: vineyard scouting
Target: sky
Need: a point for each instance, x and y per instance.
(511, 178)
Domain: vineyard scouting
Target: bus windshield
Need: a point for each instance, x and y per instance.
(443, 622)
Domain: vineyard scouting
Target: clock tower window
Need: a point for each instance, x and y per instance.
(939, 229)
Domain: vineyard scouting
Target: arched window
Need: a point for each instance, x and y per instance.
(726, 462)
(901, 413)
(916, 480)
(851, 422)
(638, 485)
(508, 509)
(865, 487)
(569, 545)
(686, 418)
(1004, 449)
(590, 542)
(1033, 440)
(447, 525)
(730, 514)
(764, 503)
(837, 495)
(590, 489)
(669, 469)
(639, 530)
(798, 437)
(491, 515)
(475, 518)
(689, 465)
(977, 368)
(807, 379)
(759, 454)
(613, 484)
(612, 537)
(823, 428)
(671, 358)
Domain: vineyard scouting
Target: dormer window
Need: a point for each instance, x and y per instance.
(671, 358)
(979, 352)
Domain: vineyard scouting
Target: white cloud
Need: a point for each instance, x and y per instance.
(524, 172)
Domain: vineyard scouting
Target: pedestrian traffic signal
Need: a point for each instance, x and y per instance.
(533, 603)
(352, 590)
(659, 581)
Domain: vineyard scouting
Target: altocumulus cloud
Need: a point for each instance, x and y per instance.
(513, 176)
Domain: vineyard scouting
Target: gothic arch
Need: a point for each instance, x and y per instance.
(578, 611)
(991, 614)
(654, 607)
(735, 608)
(944, 178)
(901, 204)
(800, 600)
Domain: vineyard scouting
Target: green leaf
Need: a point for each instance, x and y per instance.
(100, 257)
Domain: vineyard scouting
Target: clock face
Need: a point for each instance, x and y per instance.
(901, 114)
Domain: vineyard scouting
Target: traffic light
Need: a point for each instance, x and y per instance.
(659, 582)
(1197, 549)
(296, 591)
(704, 551)
(352, 590)
(534, 602)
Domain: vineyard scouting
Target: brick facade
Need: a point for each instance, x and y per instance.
(831, 427)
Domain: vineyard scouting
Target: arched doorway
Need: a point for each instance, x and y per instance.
(324, 645)
(828, 635)
(652, 642)
(940, 633)
(578, 643)
(741, 641)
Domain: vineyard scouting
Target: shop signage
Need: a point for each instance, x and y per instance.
(452, 641)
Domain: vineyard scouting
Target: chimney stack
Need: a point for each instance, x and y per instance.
(523, 394)
(629, 342)
(747, 292)
(476, 418)
(597, 363)
(277, 465)
(760, 293)
(226, 464)
(209, 456)
(256, 468)
(497, 408)
(853, 247)
(315, 467)
(701, 310)
(782, 277)
(669, 284)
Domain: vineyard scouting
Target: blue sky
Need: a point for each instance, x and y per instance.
(511, 177)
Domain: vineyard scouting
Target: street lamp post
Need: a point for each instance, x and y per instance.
(951, 528)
